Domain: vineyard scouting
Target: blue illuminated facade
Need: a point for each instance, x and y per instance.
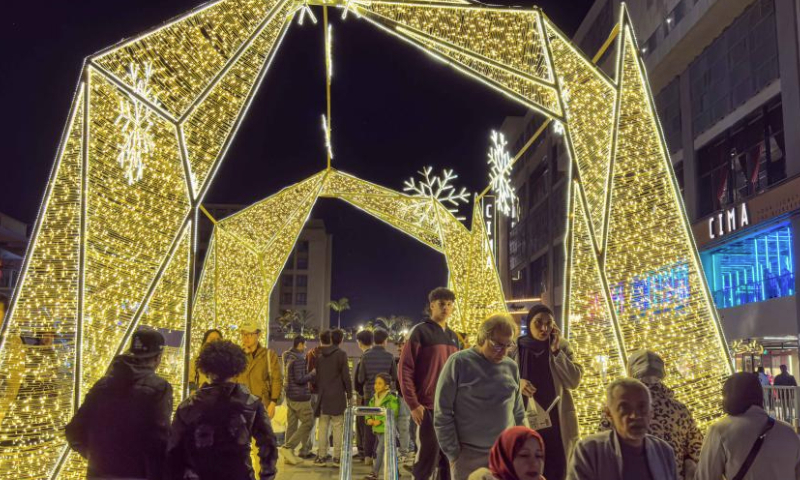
(753, 268)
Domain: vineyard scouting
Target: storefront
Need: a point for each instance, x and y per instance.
(750, 254)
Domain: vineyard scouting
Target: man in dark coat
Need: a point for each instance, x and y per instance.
(785, 379)
(122, 426)
(299, 412)
(212, 430)
(335, 389)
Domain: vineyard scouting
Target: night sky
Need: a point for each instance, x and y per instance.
(395, 110)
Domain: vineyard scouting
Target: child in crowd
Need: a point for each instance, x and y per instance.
(386, 399)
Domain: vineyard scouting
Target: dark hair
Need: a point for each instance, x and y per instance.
(208, 334)
(441, 293)
(783, 368)
(379, 336)
(760, 370)
(337, 336)
(741, 391)
(298, 340)
(387, 379)
(536, 310)
(223, 359)
(365, 337)
(325, 336)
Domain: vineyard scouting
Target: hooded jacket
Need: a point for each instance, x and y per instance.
(122, 426)
(211, 435)
(332, 381)
(599, 457)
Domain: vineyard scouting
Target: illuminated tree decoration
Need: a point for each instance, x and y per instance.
(105, 259)
(438, 189)
(136, 121)
(500, 174)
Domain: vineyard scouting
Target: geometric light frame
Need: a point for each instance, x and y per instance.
(108, 255)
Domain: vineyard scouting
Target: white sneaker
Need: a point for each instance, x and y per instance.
(289, 457)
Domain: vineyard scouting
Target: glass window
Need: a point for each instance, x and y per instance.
(286, 298)
(301, 298)
(538, 269)
(302, 263)
(302, 246)
(302, 280)
(286, 280)
(752, 269)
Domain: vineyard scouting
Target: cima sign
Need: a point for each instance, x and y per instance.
(728, 221)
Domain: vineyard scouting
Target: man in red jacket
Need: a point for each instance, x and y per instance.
(429, 345)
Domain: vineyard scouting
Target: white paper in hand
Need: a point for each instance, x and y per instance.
(538, 417)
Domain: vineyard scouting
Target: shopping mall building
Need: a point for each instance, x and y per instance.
(726, 80)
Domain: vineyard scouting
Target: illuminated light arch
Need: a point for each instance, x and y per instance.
(112, 251)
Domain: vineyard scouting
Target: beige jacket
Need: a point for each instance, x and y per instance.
(263, 375)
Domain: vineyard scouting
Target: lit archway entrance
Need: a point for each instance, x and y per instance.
(249, 249)
(152, 118)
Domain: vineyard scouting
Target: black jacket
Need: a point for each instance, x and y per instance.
(296, 376)
(374, 361)
(211, 435)
(122, 427)
(333, 381)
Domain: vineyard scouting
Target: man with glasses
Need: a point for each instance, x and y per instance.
(477, 397)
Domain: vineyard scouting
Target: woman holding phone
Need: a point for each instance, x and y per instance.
(548, 373)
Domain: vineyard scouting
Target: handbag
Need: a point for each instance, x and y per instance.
(751, 457)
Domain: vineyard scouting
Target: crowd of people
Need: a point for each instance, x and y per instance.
(499, 410)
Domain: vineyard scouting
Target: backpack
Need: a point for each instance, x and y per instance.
(221, 432)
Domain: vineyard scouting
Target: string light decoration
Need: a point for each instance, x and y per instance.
(249, 249)
(107, 256)
(436, 189)
(500, 175)
(135, 121)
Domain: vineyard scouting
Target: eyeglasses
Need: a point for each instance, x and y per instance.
(499, 347)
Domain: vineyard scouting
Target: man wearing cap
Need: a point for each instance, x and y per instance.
(263, 375)
(122, 427)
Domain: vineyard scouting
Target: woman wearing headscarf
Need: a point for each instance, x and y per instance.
(517, 454)
(748, 444)
(547, 367)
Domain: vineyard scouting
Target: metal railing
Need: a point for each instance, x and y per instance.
(783, 403)
(390, 466)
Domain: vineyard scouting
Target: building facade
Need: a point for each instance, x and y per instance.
(726, 79)
(13, 242)
(305, 282)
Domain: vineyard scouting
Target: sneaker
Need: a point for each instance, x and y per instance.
(307, 456)
(335, 463)
(319, 461)
(289, 457)
(371, 476)
(358, 456)
(368, 461)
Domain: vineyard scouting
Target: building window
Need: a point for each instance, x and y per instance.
(302, 246)
(301, 298)
(286, 298)
(752, 269)
(679, 175)
(286, 281)
(302, 263)
(743, 162)
(302, 280)
(538, 276)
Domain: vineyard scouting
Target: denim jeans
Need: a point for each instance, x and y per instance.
(378, 463)
(404, 426)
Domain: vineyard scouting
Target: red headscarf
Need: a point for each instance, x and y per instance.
(506, 447)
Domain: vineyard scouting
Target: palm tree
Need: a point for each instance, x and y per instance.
(286, 320)
(339, 306)
(303, 320)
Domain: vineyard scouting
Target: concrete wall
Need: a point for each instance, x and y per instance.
(772, 318)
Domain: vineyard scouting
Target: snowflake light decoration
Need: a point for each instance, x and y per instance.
(500, 175)
(437, 189)
(136, 120)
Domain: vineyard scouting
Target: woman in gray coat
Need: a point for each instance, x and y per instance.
(547, 364)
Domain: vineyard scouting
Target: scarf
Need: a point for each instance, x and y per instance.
(506, 447)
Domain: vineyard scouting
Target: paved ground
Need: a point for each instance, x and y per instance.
(308, 471)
